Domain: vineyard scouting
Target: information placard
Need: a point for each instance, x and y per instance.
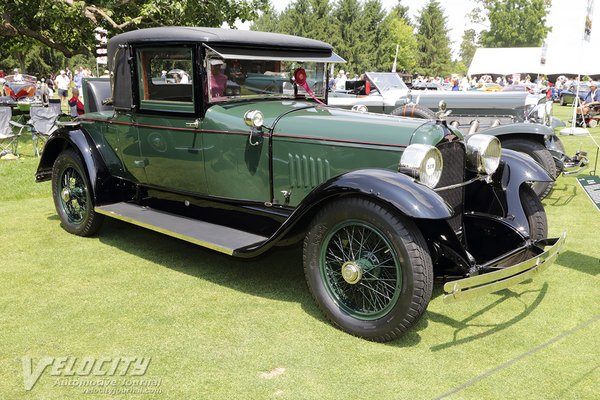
(591, 185)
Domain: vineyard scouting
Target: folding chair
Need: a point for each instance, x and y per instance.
(43, 123)
(9, 139)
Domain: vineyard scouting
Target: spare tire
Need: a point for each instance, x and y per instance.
(414, 111)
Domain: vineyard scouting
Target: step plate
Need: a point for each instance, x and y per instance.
(216, 237)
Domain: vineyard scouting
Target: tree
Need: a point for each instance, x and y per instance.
(401, 34)
(468, 46)
(401, 11)
(68, 25)
(433, 44)
(513, 23)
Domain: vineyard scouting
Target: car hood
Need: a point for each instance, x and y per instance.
(303, 119)
(470, 99)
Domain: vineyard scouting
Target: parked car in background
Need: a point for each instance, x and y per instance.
(522, 121)
(382, 204)
(518, 88)
(567, 96)
(431, 86)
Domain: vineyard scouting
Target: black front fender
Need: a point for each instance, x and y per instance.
(394, 190)
(519, 169)
(397, 190)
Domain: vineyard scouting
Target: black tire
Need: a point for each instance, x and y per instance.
(535, 213)
(403, 289)
(541, 155)
(562, 101)
(72, 195)
(414, 111)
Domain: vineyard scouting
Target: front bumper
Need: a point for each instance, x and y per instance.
(490, 282)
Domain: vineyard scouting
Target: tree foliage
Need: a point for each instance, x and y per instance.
(468, 46)
(360, 31)
(433, 43)
(68, 25)
(513, 23)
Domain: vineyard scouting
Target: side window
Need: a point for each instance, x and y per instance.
(165, 79)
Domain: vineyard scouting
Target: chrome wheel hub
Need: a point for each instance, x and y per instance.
(351, 272)
(65, 194)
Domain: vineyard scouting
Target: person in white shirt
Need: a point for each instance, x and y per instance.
(62, 83)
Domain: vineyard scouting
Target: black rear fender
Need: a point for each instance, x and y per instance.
(105, 188)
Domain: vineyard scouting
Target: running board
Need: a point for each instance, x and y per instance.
(216, 237)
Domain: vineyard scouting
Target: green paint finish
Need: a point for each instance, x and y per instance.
(223, 158)
(172, 155)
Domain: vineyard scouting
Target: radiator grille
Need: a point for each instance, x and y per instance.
(453, 172)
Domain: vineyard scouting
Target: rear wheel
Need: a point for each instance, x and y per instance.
(539, 153)
(368, 269)
(72, 195)
(562, 101)
(414, 111)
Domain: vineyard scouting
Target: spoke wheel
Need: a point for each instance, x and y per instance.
(361, 270)
(368, 268)
(72, 195)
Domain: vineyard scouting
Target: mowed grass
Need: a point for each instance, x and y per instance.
(214, 325)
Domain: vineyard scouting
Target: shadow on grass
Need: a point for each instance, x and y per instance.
(465, 324)
(580, 262)
(561, 195)
(276, 275)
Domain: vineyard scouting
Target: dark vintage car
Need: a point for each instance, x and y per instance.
(382, 204)
(521, 121)
(567, 96)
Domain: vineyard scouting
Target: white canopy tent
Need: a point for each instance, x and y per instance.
(558, 60)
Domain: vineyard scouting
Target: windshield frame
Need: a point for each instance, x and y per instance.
(372, 78)
(296, 91)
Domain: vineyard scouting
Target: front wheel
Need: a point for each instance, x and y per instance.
(562, 101)
(368, 269)
(539, 153)
(72, 195)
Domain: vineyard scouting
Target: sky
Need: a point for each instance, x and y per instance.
(566, 18)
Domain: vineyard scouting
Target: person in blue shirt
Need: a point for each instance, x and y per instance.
(592, 99)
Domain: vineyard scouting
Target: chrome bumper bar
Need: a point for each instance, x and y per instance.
(490, 282)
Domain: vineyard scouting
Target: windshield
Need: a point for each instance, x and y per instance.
(241, 79)
(386, 81)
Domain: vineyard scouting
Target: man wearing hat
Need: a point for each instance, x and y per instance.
(17, 76)
(592, 98)
(218, 80)
(62, 83)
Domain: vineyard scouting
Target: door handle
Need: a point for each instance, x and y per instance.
(195, 124)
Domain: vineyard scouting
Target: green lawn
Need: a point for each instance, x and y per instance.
(220, 328)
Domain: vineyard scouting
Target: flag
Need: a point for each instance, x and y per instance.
(587, 31)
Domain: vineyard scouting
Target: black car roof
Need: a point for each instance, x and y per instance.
(218, 36)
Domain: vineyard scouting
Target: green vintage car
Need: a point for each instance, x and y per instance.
(382, 204)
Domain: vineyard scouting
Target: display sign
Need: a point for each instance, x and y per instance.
(591, 185)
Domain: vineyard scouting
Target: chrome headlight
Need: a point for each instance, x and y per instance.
(254, 118)
(423, 162)
(483, 153)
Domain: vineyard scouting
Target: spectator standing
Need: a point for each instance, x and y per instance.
(62, 84)
(78, 78)
(17, 75)
(50, 84)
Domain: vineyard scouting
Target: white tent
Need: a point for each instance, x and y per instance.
(558, 60)
(506, 61)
